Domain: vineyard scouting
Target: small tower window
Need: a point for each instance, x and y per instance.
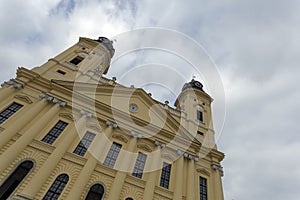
(76, 60)
(200, 133)
(199, 115)
(61, 72)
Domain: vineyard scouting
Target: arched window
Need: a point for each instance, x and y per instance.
(13, 181)
(57, 187)
(129, 198)
(95, 193)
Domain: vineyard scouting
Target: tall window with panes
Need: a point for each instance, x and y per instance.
(9, 111)
(112, 155)
(139, 165)
(84, 144)
(165, 175)
(53, 134)
(57, 187)
(203, 188)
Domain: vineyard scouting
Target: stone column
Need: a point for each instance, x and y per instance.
(7, 91)
(155, 165)
(119, 180)
(217, 184)
(89, 167)
(34, 185)
(191, 184)
(178, 188)
(22, 119)
(16, 148)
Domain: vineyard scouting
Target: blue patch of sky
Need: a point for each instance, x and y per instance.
(34, 38)
(122, 8)
(64, 7)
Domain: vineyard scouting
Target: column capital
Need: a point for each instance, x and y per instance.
(86, 113)
(13, 83)
(160, 144)
(136, 134)
(52, 99)
(110, 123)
(219, 168)
(187, 155)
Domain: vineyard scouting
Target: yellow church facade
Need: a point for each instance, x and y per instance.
(67, 132)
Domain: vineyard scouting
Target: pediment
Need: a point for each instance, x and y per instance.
(203, 171)
(68, 116)
(24, 98)
(150, 114)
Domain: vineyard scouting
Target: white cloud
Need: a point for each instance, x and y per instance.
(255, 45)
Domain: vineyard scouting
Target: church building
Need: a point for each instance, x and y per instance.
(68, 132)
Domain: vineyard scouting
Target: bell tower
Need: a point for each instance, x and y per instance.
(195, 105)
(87, 60)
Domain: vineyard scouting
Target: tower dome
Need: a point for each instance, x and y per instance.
(193, 84)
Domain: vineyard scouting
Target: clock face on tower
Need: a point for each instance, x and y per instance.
(133, 107)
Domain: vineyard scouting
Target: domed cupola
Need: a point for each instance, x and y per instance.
(108, 44)
(193, 84)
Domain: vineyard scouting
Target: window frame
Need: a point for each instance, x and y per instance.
(84, 144)
(8, 112)
(55, 132)
(203, 187)
(12, 175)
(165, 176)
(112, 155)
(90, 188)
(141, 160)
(56, 185)
(76, 60)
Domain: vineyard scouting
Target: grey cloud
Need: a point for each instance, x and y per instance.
(255, 45)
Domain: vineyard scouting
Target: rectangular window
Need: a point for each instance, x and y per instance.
(139, 165)
(112, 155)
(203, 188)
(53, 134)
(165, 175)
(84, 144)
(9, 111)
(61, 72)
(76, 60)
(199, 116)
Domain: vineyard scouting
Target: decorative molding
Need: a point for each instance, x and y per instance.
(86, 113)
(136, 134)
(53, 99)
(144, 147)
(68, 116)
(160, 144)
(13, 83)
(24, 98)
(203, 171)
(120, 137)
(218, 168)
(110, 123)
(94, 126)
(187, 155)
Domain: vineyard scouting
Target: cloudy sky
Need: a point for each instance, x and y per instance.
(253, 43)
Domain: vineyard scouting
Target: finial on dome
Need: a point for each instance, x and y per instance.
(193, 84)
